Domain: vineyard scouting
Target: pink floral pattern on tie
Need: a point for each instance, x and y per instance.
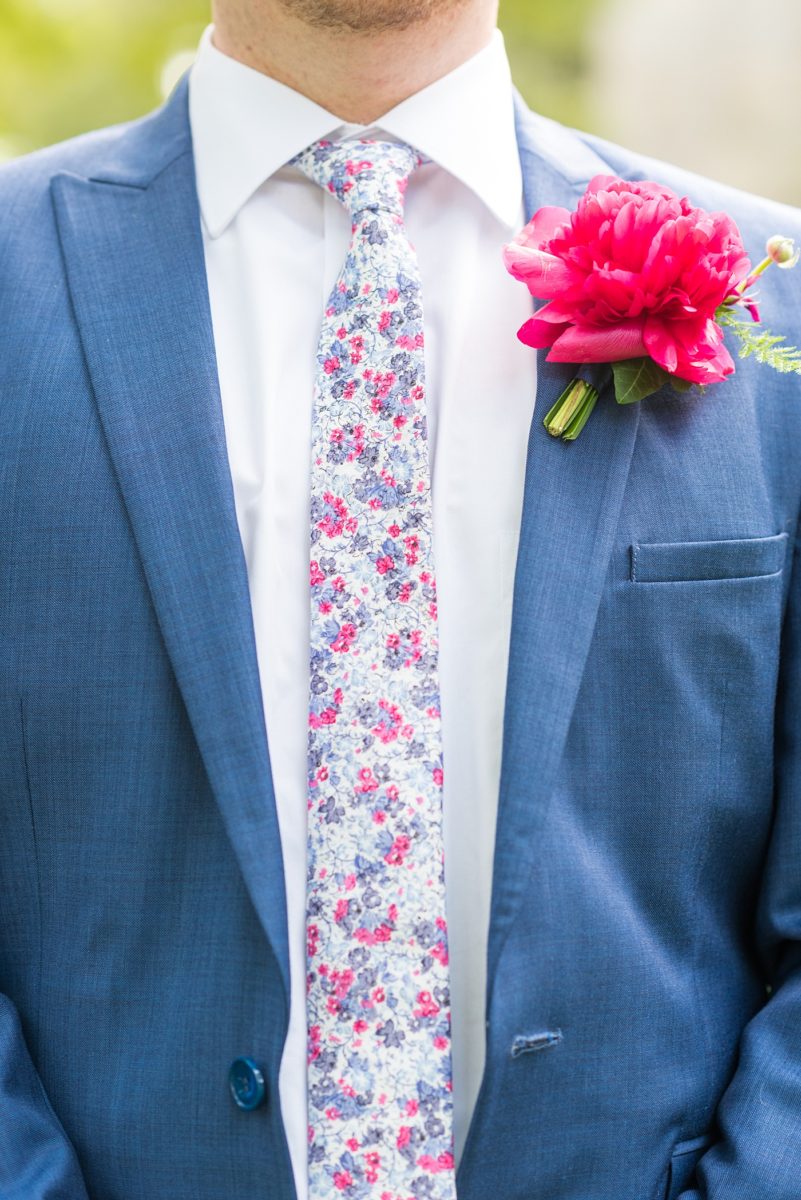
(378, 1004)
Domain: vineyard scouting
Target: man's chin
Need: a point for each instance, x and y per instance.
(367, 16)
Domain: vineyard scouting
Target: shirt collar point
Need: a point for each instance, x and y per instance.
(215, 222)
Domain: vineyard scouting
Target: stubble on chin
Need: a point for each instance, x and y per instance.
(367, 16)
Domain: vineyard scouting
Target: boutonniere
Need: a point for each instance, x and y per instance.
(639, 279)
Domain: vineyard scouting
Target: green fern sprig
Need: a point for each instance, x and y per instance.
(765, 347)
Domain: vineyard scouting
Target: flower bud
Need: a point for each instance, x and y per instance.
(782, 251)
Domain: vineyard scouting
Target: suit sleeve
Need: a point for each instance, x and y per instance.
(759, 1116)
(37, 1161)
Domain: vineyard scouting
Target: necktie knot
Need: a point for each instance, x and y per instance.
(364, 175)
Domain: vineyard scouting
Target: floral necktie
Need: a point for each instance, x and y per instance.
(378, 1005)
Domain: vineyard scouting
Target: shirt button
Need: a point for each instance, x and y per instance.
(246, 1080)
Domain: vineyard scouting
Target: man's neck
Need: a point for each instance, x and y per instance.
(357, 76)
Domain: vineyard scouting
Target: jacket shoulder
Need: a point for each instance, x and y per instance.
(132, 153)
(30, 174)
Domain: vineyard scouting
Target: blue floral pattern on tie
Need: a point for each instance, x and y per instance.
(378, 1004)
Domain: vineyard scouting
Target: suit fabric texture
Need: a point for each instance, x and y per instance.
(644, 987)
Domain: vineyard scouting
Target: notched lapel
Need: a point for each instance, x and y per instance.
(135, 267)
(573, 493)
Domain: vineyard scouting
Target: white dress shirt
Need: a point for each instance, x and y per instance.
(274, 244)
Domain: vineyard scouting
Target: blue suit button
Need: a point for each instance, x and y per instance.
(246, 1080)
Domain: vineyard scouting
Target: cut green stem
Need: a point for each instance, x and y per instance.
(572, 410)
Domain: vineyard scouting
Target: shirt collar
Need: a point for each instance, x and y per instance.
(246, 126)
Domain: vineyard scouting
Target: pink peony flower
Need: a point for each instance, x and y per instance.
(635, 271)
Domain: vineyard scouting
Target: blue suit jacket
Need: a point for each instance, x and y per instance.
(644, 997)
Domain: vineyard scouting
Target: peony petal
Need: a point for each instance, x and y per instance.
(715, 368)
(542, 226)
(556, 313)
(610, 344)
(661, 344)
(539, 334)
(544, 275)
(601, 183)
(692, 350)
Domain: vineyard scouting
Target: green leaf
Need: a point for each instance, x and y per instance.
(638, 378)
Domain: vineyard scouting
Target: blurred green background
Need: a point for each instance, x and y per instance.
(709, 85)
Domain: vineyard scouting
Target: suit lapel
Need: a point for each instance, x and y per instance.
(573, 493)
(134, 259)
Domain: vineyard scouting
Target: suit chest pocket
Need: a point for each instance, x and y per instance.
(687, 562)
